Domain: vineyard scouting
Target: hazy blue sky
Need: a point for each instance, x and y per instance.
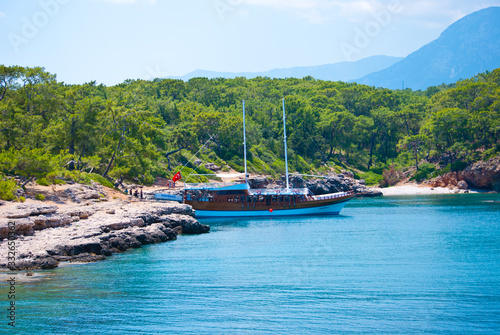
(113, 40)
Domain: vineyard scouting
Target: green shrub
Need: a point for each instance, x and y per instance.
(55, 179)
(300, 164)
(278, 166)
(371, 178)
(424, 171)
(77, 176)
(7, 189)
(58, 182)
(458, 166)
(22, 199)
(40, 197)
(42, 182)
(100, 179)
(147, 179)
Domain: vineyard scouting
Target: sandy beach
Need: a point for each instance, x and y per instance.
(415, 189)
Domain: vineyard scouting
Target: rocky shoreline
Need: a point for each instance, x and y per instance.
(85, 230)
(80, 223)
(342, 182)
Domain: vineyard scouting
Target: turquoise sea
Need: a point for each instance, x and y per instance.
(394, 265)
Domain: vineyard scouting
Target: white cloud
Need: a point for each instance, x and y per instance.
(286, 4)
(319, 11)
(314, 11)
(428, 12)
(355, 6)
(151, 2)
(440, 14)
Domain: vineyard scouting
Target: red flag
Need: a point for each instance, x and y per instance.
(177, 176)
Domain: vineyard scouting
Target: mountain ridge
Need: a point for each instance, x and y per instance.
(342, 71)
(463, 50)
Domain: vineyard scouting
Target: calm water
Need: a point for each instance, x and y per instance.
(395, 265)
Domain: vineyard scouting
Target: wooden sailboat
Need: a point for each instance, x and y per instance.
(239, 200)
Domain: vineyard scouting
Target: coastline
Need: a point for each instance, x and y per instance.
(416, 189)
(81, 224)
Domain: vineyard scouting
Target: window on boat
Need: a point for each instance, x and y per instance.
(242, 198)
(287, 198)
(280, 198)
(274, 198)
(261, 198)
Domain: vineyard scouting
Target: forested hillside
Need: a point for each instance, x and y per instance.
(139, 130)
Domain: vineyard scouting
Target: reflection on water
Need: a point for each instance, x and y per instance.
(421, 264)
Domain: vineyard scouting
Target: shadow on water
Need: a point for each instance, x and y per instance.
(232, 223)
(440, 200)
(388, 262)
(380, 206)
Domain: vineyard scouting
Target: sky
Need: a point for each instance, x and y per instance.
(109, 41)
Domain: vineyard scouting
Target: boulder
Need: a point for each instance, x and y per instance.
(45, 263)
(135, 237)
(26, 210)
(24, 226)
(78, 248)
(462, 184)
(188, 224)
(258, 182)
(296, 181)
(318, 187)
(51, 221)
(348, 174)
(369, 193)
(212, 167)
(133, 222)
(483, 174)
(81, 213)
(79, 193)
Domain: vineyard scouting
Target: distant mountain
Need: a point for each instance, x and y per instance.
(466, 48)
(345, 71)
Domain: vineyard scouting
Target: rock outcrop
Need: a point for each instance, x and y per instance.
(343, 182)
(449, 180)
(212, 167)
(482, 175)
(46, 235)
(79, 193)
(258, 182)
(26, 210)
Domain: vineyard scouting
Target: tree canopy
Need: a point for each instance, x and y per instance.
(139, 130)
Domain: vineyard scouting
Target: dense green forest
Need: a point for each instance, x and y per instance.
(138, 130)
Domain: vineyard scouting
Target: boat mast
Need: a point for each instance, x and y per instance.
(245, 143)
(284, 140)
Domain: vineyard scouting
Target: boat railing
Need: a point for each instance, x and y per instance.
(272, 191)
(206, 186)
(332, 196)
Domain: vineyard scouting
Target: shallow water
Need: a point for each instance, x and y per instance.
(416, 264)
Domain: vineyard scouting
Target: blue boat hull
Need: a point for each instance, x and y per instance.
(332, 209)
